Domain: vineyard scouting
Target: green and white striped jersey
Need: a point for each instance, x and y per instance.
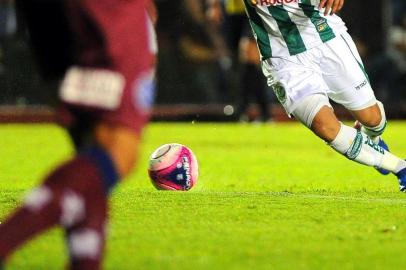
(290, 27)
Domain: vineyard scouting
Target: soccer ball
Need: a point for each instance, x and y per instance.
(173, 167)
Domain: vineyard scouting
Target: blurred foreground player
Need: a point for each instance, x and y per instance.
(308, 57)
(102, 51)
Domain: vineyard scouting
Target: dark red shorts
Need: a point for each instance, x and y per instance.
(97, 34)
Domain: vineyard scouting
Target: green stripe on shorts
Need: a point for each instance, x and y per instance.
(359, 63)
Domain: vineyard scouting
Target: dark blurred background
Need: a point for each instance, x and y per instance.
(207, 62)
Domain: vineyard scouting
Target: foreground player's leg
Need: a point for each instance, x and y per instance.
(72, 195)
(86, 243)
(122, 145)
(86, 239)
(315, 111)
(62, 199)
(372, 122)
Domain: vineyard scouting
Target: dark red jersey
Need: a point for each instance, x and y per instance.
(107, 35)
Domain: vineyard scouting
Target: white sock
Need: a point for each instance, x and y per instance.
(357, 146)
(375, 132)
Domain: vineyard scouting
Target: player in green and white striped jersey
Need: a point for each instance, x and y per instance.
(308, 57)
(290, 27)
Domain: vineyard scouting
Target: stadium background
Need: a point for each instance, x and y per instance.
(194, 67)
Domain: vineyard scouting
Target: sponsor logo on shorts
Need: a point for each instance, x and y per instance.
(359, 87)
(280, 92)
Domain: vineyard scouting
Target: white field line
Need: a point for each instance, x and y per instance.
(352, 199)
(253, 194)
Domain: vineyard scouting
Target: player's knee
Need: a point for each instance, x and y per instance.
(121, 143)
(372, 116)
(373, 120)
(316, 113)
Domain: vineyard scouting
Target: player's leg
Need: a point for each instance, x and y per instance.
(349, 85)
(86, 239)
(86, 245)
(42, 208)
(371, 118)
(315, 112)
(118, 133)
(372, 121)
(122, 144)
(302, 84)
(81, 183)
(98, 165)
(61, 199)
(76, 193)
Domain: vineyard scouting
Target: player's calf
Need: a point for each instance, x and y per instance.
(86, 248)
(379, 141)
(86, 240)
(372, 121)
(326, 125)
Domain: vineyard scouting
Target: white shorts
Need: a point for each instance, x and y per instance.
(334, 69)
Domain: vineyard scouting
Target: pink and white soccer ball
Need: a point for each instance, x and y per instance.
(173, 167)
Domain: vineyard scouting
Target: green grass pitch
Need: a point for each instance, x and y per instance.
(268, 197)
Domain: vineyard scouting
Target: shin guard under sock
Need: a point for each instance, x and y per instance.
(357, 146)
